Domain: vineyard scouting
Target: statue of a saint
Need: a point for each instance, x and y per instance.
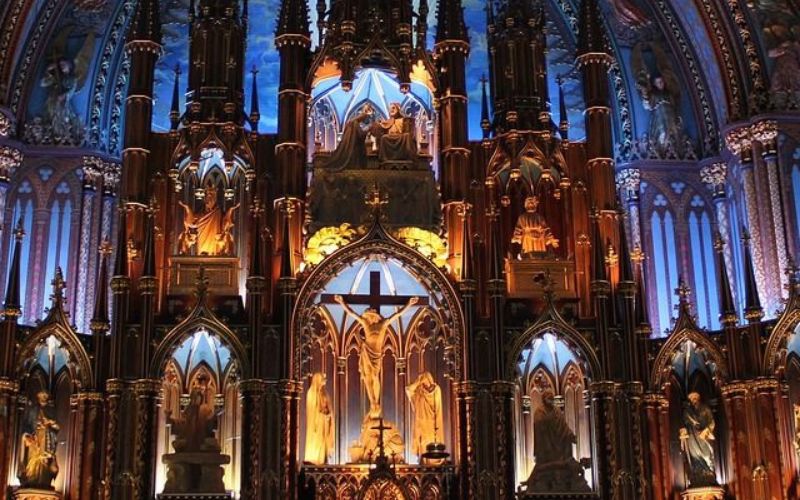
(39, 466)
(556, 470)
(351, 153)
(370, 357)
(531, 232)
(697, 441)
(319, 422)
(395, 136)
(194, 428)
(426, 402)
(209, 232)
(786, 69)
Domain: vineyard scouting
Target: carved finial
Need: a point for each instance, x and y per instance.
(105, 247)
(59, 284)
(19, 230)
(375, 199)
(683, 292)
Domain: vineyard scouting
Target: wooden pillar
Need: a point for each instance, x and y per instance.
(253, 394)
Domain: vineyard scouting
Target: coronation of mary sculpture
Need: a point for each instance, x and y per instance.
(422, 285)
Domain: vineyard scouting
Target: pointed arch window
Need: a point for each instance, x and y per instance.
(664, 262)
(59, 233)
(703, 265)
(23, 208)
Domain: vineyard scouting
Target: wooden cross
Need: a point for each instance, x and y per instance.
(374, 299)
(380, 428)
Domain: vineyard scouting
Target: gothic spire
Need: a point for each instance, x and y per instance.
(625, 261)
(486, 122)
(57, 298)
(121, 257)
(466, 243)
(642, 316)
(753, 309)
(563, 125)
(728, 307)
(175, 109)
(495, 245)
(149, 258)
(100, 321)
(287, 270)
(12, 304)
(598, 250)
(450, 21)
(255, 257)
(255, 113)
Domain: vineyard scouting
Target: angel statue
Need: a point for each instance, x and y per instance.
(660, 93)
(63, 77)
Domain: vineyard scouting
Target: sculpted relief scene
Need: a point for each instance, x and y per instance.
(399, 249)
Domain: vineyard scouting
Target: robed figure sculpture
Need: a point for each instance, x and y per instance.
(319, 422)
(697, 441)
(425, 396)
(39, 466)
(209, 232)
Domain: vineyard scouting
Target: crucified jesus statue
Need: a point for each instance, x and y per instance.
(370, 357)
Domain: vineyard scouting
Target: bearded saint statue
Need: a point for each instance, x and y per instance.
(697, 441)
(209, 232)
(39, 466)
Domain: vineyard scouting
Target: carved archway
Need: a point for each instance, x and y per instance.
(662, 366)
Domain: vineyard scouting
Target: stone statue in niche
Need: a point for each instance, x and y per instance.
(532, 233)
(556, 470)
(196, 465)
(393, 139)
(39, 467)
(319, 422)
(697, 441)
(660, 92)
(59, 123)
(209, 232)
(425, 396)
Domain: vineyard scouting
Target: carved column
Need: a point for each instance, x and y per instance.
(253, 397)
(466, 393)
(714, 176)
(10, 160)
(114, 464)
(290, 403)
(628, 184)
(9, 393)
(656, 456)
(86, 434)
(766, 133)
(739, 142)
(84, 284)
(147, 394)
(502, 394)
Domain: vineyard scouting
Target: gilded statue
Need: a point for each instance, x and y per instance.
(209, 232)
(556, 469)
(370, 356)
(531, 232)
(39, 466)
(319, 422)
(697, 441)
(425, 396)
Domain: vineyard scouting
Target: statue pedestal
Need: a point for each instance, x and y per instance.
(557, 477)
(222, 274)
(198, 473)
(704, 493)
(520, 276)
(35, 494)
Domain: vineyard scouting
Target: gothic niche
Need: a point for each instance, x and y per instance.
(376, 355)
(208, 221)
(530, 191)
(199, 422)
(552, 420)
(43, 428)
(697, 424)
(372, 135)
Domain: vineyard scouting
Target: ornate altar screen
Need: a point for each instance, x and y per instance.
(413, 358)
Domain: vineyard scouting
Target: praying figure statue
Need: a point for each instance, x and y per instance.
(395, 136)
(194, 428)
(370, 357)
(532, 233)
(209, 232)
(697, 441)
(426, 402)
(556, 469)
(319, 422)
(39, 466)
